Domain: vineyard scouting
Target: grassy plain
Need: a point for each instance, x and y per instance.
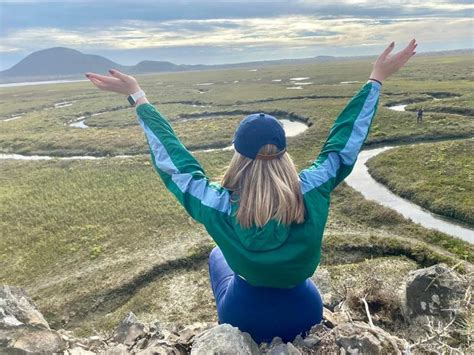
(44, 129)
(92, 240)
(437, 176)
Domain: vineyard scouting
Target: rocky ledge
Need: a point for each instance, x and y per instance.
(435, 316)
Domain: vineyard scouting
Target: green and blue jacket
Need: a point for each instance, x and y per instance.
(275, 255)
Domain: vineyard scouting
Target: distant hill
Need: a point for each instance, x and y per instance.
(58, 61)
(66, 63)
(61, 62)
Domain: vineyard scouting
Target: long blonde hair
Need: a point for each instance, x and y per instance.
(267, 189)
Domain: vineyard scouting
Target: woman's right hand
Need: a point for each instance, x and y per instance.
(119, 82)
(387, 64)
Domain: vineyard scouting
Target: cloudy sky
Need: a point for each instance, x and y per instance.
(228, 31)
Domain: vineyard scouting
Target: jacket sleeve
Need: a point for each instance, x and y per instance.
(180, 171)
(339, 153)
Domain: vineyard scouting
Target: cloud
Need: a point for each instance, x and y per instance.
(8, 49)
(281, 31)
(230, 28)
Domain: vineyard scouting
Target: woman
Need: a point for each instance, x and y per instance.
(266, 219)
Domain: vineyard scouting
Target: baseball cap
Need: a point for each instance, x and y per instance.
(257, 130)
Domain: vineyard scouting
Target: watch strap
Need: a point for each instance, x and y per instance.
(132, 99)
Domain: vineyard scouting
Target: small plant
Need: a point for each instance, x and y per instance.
(96, 251)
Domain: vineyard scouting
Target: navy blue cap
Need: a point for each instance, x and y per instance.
(257, 130)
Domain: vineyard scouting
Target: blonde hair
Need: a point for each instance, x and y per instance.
(268, 189)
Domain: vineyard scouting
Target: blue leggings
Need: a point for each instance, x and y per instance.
(263, 312)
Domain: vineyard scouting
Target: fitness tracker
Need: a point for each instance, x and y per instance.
(135, 96)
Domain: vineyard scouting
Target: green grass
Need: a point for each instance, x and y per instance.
(92, 240)
(43, 129)
(437, 176)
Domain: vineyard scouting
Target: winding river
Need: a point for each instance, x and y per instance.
(360, 180)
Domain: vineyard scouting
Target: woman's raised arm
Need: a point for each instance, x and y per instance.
(339, 153)
(180, 171)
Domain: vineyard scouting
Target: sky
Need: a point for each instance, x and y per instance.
(230, 31)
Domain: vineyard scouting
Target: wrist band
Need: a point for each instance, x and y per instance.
(132, 98)
(376, 80)
(138, 94)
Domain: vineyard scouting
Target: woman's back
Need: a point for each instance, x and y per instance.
(275, 246)
(275, 254)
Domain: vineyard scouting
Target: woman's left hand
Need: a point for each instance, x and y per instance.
(387, 64)
(119, 82)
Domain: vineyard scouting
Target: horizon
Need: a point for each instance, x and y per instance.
(240, 62)
(229, 32)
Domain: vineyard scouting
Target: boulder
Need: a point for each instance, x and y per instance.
(360, 338)
(5, 336)
(277, 347)
(129, 330)
(433, 291)
(187, 334)
(16, 309)
(42, 341)
(224, 339)
(23, 328)
(323, 282)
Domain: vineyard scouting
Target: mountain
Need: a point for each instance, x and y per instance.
(66, 63)
(150, 66)
(61, 62)
(58, 61)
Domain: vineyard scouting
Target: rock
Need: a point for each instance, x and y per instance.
(79, 351)
(323, 282)
(161, 349)
(360, 338)
(224, 339)
(94, 341)
(76, 343)
(23, 329)
(129, 330)
(292, 350)
(265, 347)
(320, 340)
(171, 335)
(314, 336)
(158, 345)
(119, 349)
(332, 319)
(38, 341)
(283, 349)
(142, 343)
(298, 340)
(187, 334)
(311, 341)
(433, 291)
(8, 320)
(156, 327)
(5, 336)
(16, 308)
